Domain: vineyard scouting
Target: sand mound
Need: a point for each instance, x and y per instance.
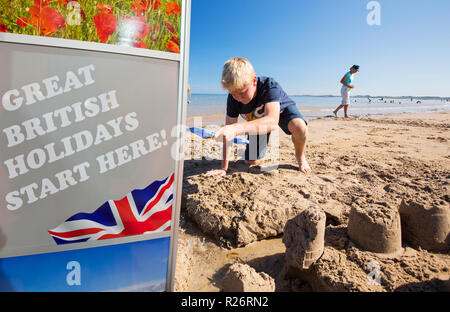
(426, 227)
(375, 228)
(243, 278)
(332, 272)
(242, 208)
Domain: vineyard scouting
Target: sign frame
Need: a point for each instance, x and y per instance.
(182, 112)
(183, 71)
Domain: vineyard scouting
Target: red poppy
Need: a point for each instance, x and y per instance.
(105, 8)
(154, 38)
(83, 15)
(173, 8)
(42, 3)
(175, 39)
(22, 21)
(139, 7)
(140, 27)
(170, 27)
(48, 20)
(156, 4)
(105, 24)
(136, 27)
(3, 28)
(173, 47)
(140, 44)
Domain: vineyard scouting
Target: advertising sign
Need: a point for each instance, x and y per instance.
(90, 162)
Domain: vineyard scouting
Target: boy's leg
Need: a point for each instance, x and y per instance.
(299, 131)
(293, 123)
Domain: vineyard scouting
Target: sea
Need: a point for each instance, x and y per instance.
(313, 107)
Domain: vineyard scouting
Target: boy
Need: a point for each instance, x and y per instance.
(263, 103)
(347, 86)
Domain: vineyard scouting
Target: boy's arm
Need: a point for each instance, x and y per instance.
(344, 83)
(226, 151)
(258, 126)
(226, 145)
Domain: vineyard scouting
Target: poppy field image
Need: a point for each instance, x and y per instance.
(147, 24)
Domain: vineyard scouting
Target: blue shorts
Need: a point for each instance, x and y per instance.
(257, 147)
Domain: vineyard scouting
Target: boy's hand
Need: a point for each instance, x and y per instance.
(219, 172)
(228, 132)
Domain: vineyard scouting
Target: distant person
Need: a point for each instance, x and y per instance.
(264, 105)
(347, 86)
(189, 93)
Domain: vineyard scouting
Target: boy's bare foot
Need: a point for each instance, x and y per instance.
(253, 162)
(335, 114)
(303, 165)
(347, 117)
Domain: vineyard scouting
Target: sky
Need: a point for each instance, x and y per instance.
(307, 46)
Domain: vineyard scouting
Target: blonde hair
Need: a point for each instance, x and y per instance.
(237, 73)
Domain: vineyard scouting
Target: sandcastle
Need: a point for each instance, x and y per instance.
(304, 238)
(426, 227)
(375, 228)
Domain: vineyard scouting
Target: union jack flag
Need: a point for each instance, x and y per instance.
(139, 212)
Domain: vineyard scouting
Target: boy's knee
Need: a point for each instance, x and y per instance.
(298, 127)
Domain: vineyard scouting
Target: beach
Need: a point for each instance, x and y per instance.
(380, 160)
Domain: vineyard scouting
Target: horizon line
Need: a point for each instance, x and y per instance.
(357, 96)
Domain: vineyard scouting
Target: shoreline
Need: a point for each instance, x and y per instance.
(219, 119)
(399, 97)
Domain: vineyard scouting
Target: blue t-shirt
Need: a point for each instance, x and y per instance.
(348, 78)
(267, 90)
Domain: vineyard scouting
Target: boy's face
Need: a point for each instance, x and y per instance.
(353, 70)
(247, 93)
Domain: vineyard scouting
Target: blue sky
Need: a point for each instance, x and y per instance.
(308, 46)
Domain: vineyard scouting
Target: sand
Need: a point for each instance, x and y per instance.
(357, 164)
